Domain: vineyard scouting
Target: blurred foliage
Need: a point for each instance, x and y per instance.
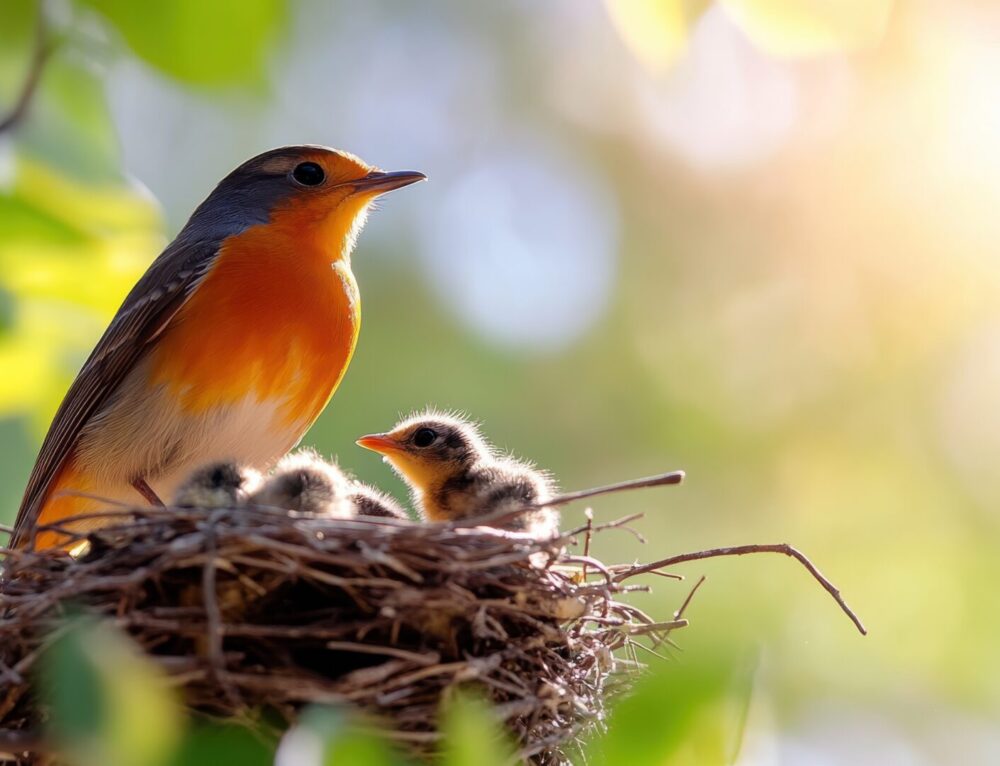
(811, 27)
(74, 236)
(328, 736)
(658, 30)
(88, 244)
(201, 43)
(687, 713)
(111, 707)
(66, 124)
(471, 734)
(214, 744)
(109, 704)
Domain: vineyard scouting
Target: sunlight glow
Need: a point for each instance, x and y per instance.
(811, 27)
(528, 270)
(655, 30)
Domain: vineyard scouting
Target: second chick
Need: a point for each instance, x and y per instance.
(303, 481)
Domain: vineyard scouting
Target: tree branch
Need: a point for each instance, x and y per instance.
(40, 55)
(742, 550)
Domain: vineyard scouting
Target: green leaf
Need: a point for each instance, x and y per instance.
(17, 38)
(68, 124)
(327, 737)
(6, 310)
(212, 745)
(67, 121)
(473, 735)
(17, 450)
(69, 253)
(73, 687)
(109, 704)
(203, 43)
(679, 713)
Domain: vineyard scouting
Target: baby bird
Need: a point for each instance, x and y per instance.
(453, 473)
(303, 481)
(369, 501)
(217, 485)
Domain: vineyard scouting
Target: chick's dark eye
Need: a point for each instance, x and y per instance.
(308, 174)
(424, 437)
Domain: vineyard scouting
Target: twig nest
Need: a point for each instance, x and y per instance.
(254, 610)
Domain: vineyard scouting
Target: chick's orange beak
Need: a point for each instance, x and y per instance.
(379, 182)
(381, 443)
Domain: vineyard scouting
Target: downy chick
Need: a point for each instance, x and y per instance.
(453, 473)
(217, 485)
(304, 481)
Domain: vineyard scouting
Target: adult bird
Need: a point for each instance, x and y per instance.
(227, 349)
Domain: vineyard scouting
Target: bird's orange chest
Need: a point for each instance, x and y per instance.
(276, 320)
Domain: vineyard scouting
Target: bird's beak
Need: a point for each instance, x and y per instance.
(377, 182)
(381, 443)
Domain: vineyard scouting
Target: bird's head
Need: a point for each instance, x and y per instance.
(313, 191)
(217, 485)
(429, 449)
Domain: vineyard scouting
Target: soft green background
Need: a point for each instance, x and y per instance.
(754, 239)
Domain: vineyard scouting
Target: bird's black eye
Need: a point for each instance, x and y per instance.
(424, 437)
(308, 174)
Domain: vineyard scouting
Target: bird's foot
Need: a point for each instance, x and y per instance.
(147, 492)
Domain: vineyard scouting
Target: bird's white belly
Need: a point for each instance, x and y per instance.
(145, 433)
(250, 433)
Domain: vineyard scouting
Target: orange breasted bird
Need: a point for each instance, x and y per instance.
(454, 473)
(227, 349)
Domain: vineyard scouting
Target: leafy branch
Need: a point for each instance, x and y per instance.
(43, 49)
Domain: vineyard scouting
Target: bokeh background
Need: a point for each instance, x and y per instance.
(754, 239)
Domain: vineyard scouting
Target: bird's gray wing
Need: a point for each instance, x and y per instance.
(149, 307)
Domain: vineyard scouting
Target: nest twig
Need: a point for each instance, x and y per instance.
(250, 610)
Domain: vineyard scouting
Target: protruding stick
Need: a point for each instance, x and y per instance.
(741, 550)
(662, 479)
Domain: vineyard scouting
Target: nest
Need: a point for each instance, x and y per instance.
(255, 612)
